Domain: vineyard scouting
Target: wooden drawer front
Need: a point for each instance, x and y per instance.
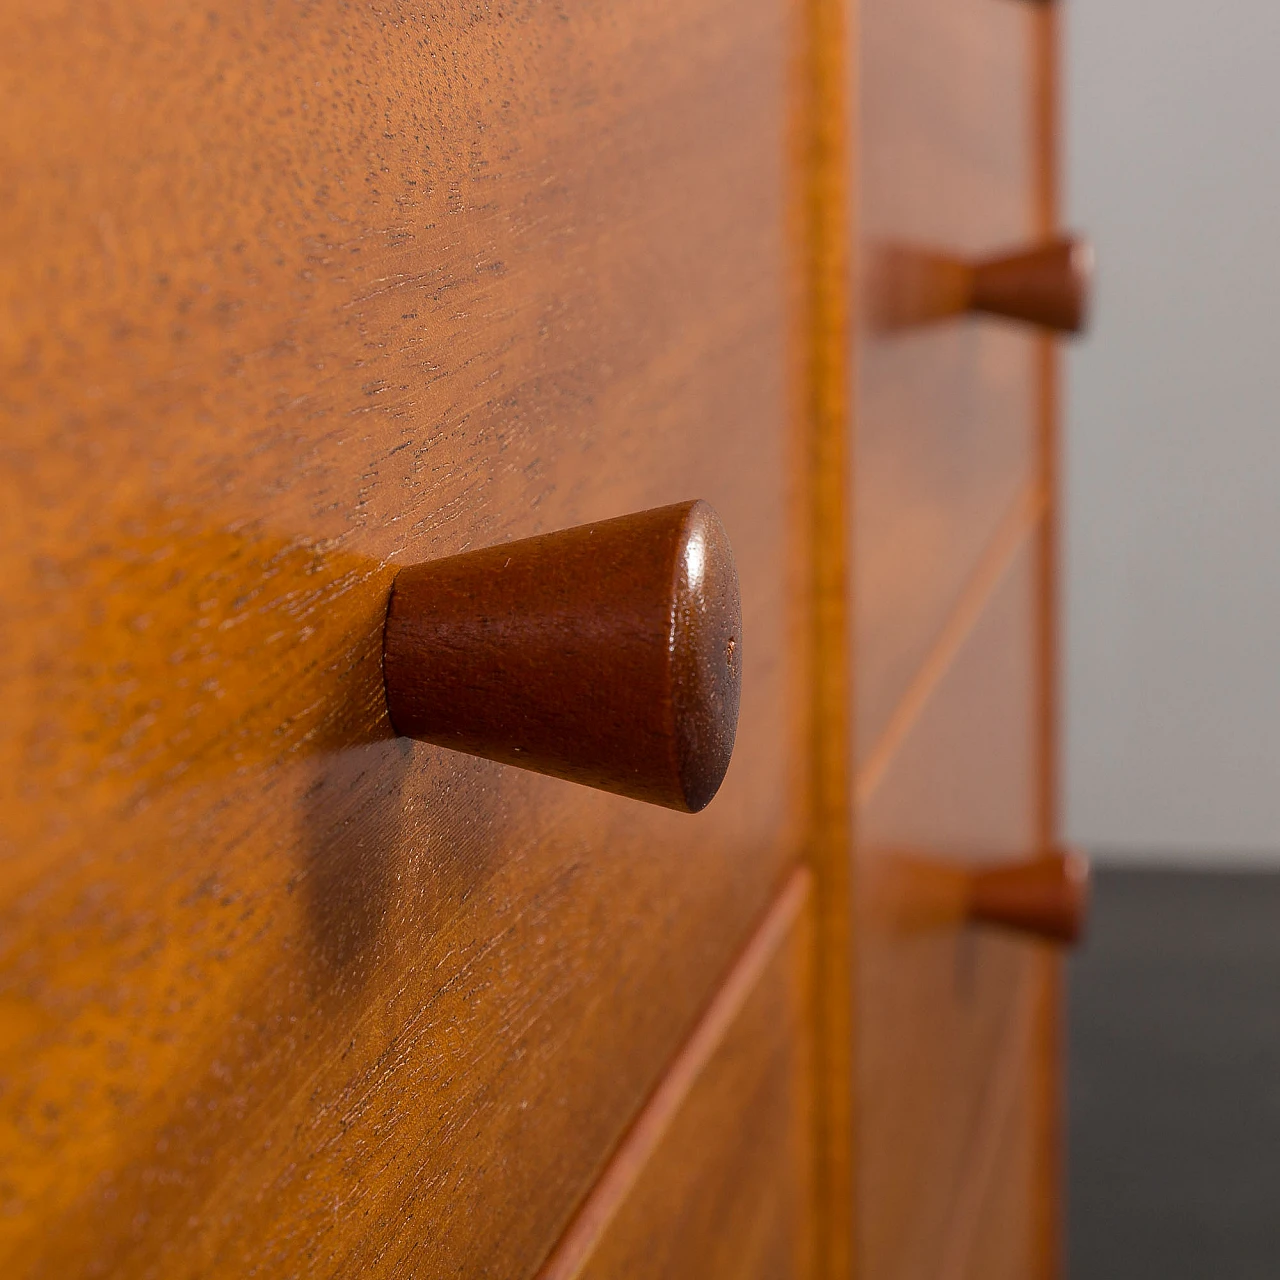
(715, 1178)
(295, 295)
(996, 1227)
(993, 1224)
(935, 999)
(945, 414)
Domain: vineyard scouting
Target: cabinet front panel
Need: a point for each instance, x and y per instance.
(293, 295)
(999, 1239)
(945, 418)
(715, 1180)
(936, 998)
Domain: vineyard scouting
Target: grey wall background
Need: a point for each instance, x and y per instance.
(1172, 443)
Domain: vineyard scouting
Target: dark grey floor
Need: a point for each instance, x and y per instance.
(1174, 1080)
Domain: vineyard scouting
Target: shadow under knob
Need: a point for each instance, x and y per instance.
(609, 654)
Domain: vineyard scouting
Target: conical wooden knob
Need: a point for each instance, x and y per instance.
(1047, 897)
(1046, 286)
(609, 654)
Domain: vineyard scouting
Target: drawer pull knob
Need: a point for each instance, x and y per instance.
(1047, 285)
(1047, 897)
(609, 654)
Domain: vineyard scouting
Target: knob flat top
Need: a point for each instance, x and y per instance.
(706, 659)
(607, 654)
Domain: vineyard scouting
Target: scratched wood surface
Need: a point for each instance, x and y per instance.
(944, 416)
(935, 999)
(294, 294)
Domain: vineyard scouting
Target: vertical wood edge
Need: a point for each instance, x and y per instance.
(1049, 1043)
(829, 99)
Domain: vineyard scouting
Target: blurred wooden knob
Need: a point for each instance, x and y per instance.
(1047, 897)
(1046, 286)
(609, 654)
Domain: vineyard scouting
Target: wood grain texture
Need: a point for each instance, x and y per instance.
(609, 654)
(943, 416)
(715, 1177)
(934, 1003)
(292, 296)
(825, 134)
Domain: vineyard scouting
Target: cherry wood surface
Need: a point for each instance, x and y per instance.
(293, 296)
(952, 555)
(716, 1176)
(1000, 1241)
(944, 416)
(935, 997)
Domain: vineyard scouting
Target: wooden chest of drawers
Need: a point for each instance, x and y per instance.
(297, 295)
